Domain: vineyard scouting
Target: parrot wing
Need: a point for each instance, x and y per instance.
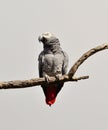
(65, 63)
(40, 63)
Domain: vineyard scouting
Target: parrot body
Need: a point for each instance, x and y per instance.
(53, 61)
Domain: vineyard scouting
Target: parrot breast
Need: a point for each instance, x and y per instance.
(50, 93)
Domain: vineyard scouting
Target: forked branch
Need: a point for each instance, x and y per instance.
(85, 56)
(64, 78)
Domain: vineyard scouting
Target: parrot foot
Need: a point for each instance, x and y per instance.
(47, 78)
(58, 76)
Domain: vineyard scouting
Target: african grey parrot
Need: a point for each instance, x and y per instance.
(53, 61)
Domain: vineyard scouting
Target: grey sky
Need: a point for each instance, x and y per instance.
(80, 25)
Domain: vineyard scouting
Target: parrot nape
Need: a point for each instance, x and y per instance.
(52, 61)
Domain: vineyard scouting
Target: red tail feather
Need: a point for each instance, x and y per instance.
(51, 93)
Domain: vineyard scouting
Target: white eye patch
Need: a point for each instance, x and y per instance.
(47, 35)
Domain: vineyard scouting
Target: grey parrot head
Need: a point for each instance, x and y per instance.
(48, 39)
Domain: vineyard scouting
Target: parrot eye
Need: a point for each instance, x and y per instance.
(44, 40)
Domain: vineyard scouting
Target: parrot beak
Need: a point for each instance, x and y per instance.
(40, 38)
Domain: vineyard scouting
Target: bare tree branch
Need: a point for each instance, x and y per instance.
(36, 82)
(64, 78)
(85, 56)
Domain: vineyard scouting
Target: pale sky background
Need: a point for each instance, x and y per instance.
(80, 25)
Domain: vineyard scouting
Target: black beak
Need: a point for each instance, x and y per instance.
(40, 38)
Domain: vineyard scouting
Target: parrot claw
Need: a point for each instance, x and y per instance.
(47, 78)
(58, 76)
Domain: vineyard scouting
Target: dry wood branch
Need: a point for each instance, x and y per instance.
(37, 81)
(85, 56)
(64, 78)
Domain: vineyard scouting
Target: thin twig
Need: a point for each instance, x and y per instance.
(85, 56)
